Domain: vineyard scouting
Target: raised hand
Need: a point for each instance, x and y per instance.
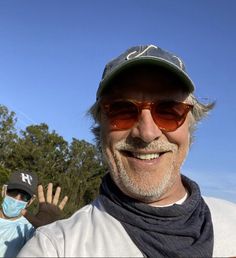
(50, 209)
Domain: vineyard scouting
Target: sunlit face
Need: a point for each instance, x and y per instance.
(144, 161)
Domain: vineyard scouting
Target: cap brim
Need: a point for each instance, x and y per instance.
(188, 84)
(20, 187)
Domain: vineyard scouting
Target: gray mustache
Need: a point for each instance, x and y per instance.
(156, 145)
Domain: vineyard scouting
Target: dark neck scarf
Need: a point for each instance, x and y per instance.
(176, 231)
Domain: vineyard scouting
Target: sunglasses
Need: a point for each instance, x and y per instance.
(123, 114)
(15, 192)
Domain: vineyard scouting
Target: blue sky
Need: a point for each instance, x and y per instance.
(52, 54)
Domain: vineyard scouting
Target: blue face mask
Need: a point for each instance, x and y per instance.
(12, 207)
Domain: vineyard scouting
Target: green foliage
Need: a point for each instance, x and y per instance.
(4, 175)
(76, 167)
(41, 151)
(8, 134)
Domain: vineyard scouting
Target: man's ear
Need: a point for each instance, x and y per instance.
(31, 201)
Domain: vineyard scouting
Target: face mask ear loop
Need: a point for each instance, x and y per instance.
(4, 190)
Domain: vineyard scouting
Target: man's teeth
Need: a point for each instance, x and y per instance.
(146, 156)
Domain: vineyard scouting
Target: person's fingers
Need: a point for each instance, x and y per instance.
(49, 193)
(63, 203)
(41, 194)
(57, 195)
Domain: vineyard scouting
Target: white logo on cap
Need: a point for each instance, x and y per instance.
(128, 57)
(180, 62)
(26, 178)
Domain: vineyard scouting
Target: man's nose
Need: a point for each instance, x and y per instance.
(146, 129)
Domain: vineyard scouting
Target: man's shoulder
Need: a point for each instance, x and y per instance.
(82, 225)
(223, 212)
(223, 215)
(221, 206)
(80, 218)
(86, 233)
(94, 208)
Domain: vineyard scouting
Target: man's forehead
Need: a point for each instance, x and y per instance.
(147, 82)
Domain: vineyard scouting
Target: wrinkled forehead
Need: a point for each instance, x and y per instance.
(146, 81)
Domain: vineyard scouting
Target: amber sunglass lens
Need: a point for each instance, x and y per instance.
(122, 114)
(170, 115)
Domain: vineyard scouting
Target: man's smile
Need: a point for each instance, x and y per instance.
(142, 155)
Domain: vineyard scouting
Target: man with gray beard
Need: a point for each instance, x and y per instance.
(145, 115)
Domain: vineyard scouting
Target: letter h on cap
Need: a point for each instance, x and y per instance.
(26, 178)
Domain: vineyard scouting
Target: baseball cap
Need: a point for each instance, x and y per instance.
(147, 54)
(26, 181)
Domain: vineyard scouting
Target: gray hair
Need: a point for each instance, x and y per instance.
(199, 111)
